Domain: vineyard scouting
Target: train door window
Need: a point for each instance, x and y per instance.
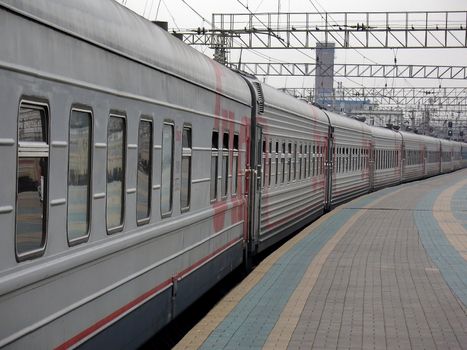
(167, 168)
(185, 176)
(235, 166)
(277, 163)
(289, 162)
(225, 164)
(116, 140)
(283, 162)
(214, 160)
(270, 163)
(32, 180)
(144, 172)
(79, 179)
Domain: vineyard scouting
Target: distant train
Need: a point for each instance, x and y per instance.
(136, 172)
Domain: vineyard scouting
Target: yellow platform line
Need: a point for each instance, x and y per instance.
(281, 334)
(453, 229)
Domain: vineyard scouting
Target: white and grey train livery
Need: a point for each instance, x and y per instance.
(136, 172)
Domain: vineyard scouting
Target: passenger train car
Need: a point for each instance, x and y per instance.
(137, 173)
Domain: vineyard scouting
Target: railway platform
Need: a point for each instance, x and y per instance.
(386, 270)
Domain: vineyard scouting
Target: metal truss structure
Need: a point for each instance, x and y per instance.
(452, 98)
(357, 30)
(353, 70)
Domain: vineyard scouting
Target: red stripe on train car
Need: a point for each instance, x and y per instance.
(139, 300)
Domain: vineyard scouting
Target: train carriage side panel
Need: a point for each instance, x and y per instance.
(351, 166)
(464, 154)
(63, 55)
(446, 156)
(387, 149)
(432, 155)
(413, 156)
(292, 154)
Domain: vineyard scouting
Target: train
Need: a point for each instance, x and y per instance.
(138, 173)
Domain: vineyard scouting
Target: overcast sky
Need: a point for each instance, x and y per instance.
(179, 15)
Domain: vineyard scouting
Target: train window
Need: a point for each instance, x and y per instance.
(277, 162)
(294, 161)
(313, 156)
(167, 168)
(225, 164)
(359, 163)
(305, 156)
(144, 172)
(185, 176)
(289, 162)
(283, 162)
(214, 159)
(270, 163)
(300, 152)
(338, 159)
(79, 179)
(264, 163)
(320, 160)
(116, 140)
(235, 165)
(32, 180)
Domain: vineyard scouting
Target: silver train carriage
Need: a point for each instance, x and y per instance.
(138, 172)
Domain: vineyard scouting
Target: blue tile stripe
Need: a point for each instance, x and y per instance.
(451, 264)
(253, 318)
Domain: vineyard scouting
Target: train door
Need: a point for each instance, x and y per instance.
(255, 190)
(329, 171)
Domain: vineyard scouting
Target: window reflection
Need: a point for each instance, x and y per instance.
(31, 203)
(186, 169)
(143, 195)
(79, 175)
(214, 157)
(167, 167)
(32, 125)
(115, 171)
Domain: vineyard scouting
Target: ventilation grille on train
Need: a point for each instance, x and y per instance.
(259, 90)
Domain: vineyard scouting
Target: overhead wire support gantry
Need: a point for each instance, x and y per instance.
(454, 97)
(353, 70)
(356, 30)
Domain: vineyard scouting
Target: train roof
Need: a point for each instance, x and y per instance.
(385, 133)
(109, 25)
(283, 101)
(347, 123)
